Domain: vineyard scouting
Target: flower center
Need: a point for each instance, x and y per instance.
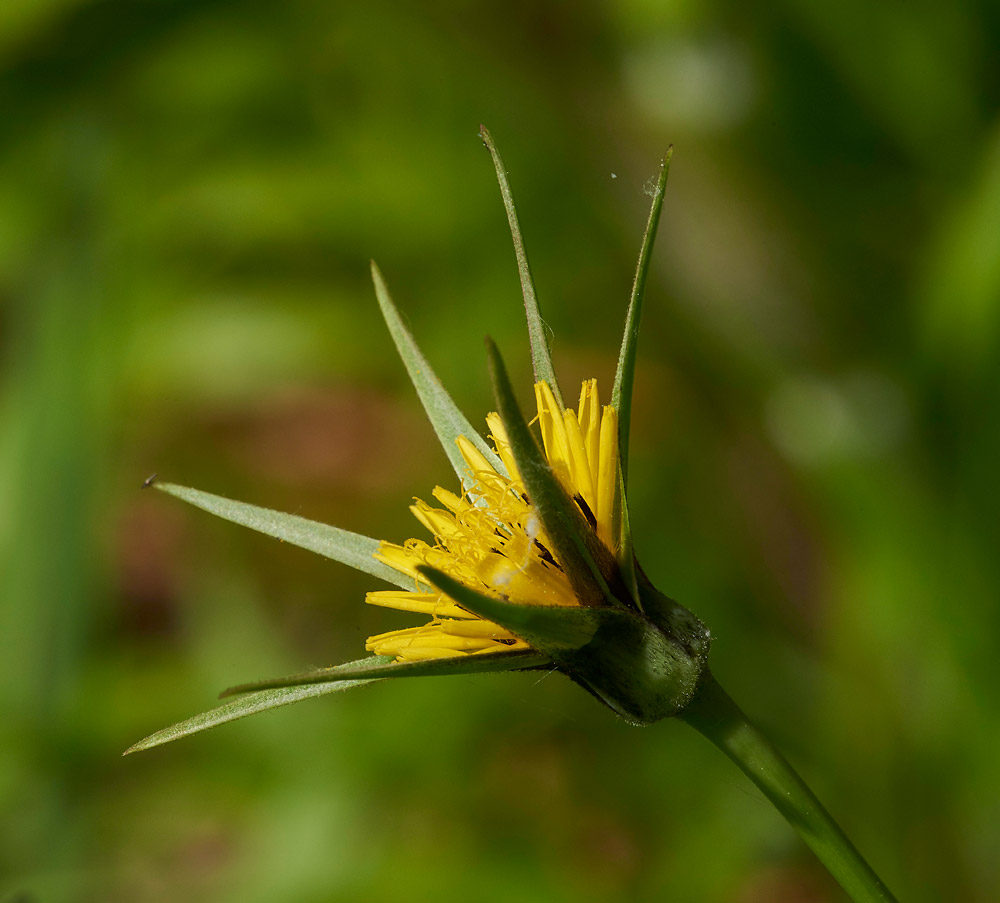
(491, 539)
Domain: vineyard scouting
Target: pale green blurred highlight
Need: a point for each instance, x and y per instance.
(190, 195)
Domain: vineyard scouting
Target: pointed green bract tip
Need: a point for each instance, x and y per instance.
(352, 549)
(446, 419)
(241, 707)
(548, 628)
(541, 356)
(621, 394)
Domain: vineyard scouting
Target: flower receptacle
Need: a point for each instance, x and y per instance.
(644, 667)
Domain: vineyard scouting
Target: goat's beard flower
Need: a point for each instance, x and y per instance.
(530, 565)
(491, 540)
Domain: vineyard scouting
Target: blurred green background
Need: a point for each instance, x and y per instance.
(189, 195)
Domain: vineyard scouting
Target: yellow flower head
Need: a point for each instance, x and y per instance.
(530, 567)
(491, 540)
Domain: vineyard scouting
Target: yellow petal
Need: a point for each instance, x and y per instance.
(437, 605)
(473, 457)
(550, 422)
(502, 444)
(590, 425)
(607, 481)
(580, 478)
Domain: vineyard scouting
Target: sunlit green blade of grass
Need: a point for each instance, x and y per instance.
(960, 296)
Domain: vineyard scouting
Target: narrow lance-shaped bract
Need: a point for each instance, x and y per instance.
(541, 356)
(621, 393)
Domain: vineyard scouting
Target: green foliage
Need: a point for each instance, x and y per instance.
(191, 193)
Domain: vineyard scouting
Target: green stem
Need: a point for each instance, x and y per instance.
(714, 714)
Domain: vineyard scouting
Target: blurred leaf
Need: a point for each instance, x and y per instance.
(448, 421)
(540, 355)
(348, 548)
(24, 21)
(962, 291)
(909, 65)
